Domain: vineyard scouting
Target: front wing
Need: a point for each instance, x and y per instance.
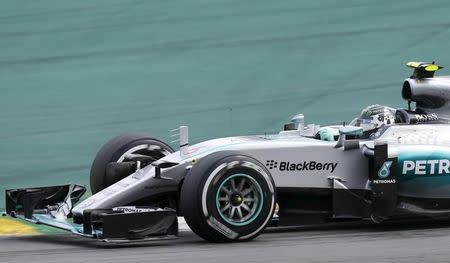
(52, 206)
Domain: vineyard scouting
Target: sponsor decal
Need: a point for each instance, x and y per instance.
(385, 169)
(426, 161)
(132, 209)
(223, 229)
(426, 167)
(426, 117)
(271, 164)
(301, 166)
(387, 181)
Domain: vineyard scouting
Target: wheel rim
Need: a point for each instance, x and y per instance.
(239, 199)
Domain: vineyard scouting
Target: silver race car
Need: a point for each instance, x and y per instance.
(386, 164)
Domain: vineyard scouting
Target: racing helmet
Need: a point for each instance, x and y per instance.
(375, 116)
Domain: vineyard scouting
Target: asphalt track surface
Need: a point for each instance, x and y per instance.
(405, 242)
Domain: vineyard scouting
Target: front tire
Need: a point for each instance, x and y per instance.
(228, 198)
(119, 150)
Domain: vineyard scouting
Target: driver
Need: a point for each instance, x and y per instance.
(370, 120)
(373, 117)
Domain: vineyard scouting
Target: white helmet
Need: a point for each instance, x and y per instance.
(375, 116)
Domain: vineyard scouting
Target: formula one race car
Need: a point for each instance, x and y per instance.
(386, 164)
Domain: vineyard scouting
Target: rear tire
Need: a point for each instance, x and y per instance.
(228, 198)
(116, 149)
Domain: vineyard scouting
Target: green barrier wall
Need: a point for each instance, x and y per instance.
(75, 73)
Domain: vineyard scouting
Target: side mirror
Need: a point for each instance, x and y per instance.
(351, 130)
(347, 130)
(298, 121)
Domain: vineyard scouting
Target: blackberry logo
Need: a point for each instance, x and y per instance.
(301, 166)
(271, 164)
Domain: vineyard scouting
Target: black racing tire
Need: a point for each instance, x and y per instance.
(207, 197)
(111, 152)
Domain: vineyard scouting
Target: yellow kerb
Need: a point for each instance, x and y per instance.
(10, 227)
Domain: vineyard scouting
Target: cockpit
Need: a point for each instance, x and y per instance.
(375, 119)
(430, 94)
